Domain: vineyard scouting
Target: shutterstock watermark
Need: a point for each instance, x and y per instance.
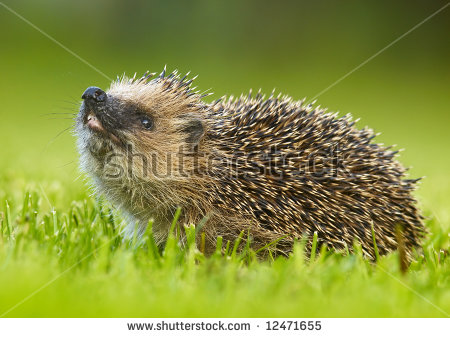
(273, 163)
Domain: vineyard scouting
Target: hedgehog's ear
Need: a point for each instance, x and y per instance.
(194, 130)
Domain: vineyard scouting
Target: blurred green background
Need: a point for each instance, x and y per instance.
(297, 47)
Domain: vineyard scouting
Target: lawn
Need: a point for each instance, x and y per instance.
(73, 262)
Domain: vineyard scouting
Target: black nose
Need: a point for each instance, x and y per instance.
(94, 94)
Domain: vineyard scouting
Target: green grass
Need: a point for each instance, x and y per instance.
(73, 261)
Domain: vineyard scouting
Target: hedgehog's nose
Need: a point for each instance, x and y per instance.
(94, 94)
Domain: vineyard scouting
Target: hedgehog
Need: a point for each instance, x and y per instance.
(270, 170)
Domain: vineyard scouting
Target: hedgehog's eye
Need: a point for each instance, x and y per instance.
(147, 122)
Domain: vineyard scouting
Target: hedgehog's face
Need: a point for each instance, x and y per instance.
(138, 128)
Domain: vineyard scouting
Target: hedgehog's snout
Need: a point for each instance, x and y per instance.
(93, 95)
(94, 99)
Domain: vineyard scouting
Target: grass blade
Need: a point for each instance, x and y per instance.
(314, 247)
(8, 219)
(375, 247)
